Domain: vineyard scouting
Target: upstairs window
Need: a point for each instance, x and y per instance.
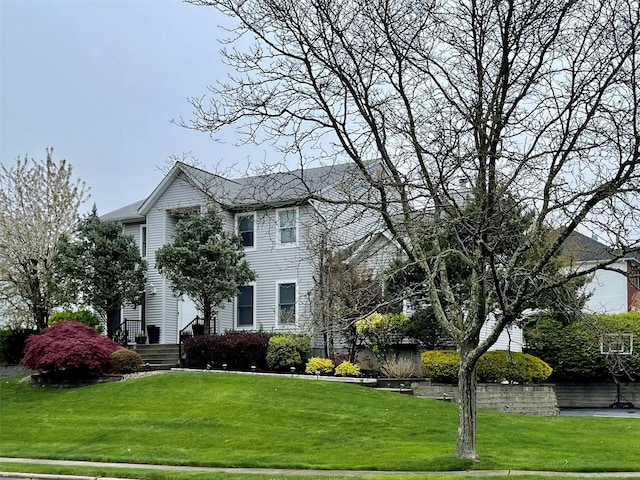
(287, 303)
(143, 241)
(246, 230)
(287, 226)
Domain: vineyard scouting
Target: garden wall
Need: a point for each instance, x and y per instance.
(523, 399)
(595, 395)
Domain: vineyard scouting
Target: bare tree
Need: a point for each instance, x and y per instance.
(39, 204)
(537, 101)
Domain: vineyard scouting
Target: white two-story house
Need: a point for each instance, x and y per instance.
(280, 227)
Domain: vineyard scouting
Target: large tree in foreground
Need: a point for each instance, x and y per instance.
(39, 203)
(102, 267)
(205, 262)
(537, 101)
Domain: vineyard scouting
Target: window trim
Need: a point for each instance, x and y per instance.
(253, 309)
(238, 216)
(279, 243)
(295, 304)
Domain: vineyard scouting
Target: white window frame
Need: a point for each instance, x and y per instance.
(144, 243)
(295, 304)
(253, 313)
(238, 216)
(279, 229)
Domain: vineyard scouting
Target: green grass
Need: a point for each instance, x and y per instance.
(227, 420)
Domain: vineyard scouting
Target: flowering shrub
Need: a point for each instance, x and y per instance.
(70, 349)
(347, 369)
(124, 360)
(381, 332)
(288, 350)
(319, 365)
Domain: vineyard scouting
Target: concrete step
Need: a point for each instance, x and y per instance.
(158, 356)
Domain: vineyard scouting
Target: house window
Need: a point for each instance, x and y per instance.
(246, 230)
(143, 241)
(287, 303)
(245, 307)
(287, 220)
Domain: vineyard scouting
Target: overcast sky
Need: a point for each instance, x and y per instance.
(101, 80)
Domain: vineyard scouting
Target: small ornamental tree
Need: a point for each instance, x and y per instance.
(69, 349)
(103, 267)
(205, 262)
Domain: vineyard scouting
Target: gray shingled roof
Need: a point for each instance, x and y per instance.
(274, 189)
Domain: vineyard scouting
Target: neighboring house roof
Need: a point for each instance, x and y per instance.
(581, 248)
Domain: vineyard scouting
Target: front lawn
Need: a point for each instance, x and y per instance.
(219, 419)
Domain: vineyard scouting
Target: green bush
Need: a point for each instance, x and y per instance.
(124, 360)
(573, 350)
(12, 343)
(441, 365)
(493, 367)
(319, 365)
(85, 317)
(288, 350)
(347, 369)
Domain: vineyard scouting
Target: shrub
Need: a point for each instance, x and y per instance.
(319, 365)
(347, 369)
(441, 365)
(573, 350)
(288, 350)
(70, 349)
(124, 360)
(81, 316)
(12, 343)
(496, 366)
(399, 368)
(237, 349)
(381, 332)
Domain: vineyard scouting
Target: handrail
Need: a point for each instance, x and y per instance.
(188, 331)
(126, 332)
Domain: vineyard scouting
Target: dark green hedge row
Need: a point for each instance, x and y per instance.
(493, 367)
(573, 350)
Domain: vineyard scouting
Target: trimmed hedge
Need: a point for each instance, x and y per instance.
(319, 365)
(573, 350)
(288, 350)
(493, 367)
(239, 350)
(81, 316)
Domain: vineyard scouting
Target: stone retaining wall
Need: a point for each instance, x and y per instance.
(595, 395)
(523, 399)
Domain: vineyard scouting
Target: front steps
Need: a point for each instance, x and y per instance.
(157, 356)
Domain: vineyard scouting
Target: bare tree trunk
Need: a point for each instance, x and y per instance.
(466, 447)
(207, 313)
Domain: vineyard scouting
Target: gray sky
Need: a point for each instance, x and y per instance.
(100, 81)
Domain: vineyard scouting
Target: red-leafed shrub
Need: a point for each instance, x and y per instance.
(70, 350)
(237, 349)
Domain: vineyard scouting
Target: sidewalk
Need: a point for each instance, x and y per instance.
(282, 471)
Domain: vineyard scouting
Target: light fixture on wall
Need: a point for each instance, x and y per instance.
(151, 289)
